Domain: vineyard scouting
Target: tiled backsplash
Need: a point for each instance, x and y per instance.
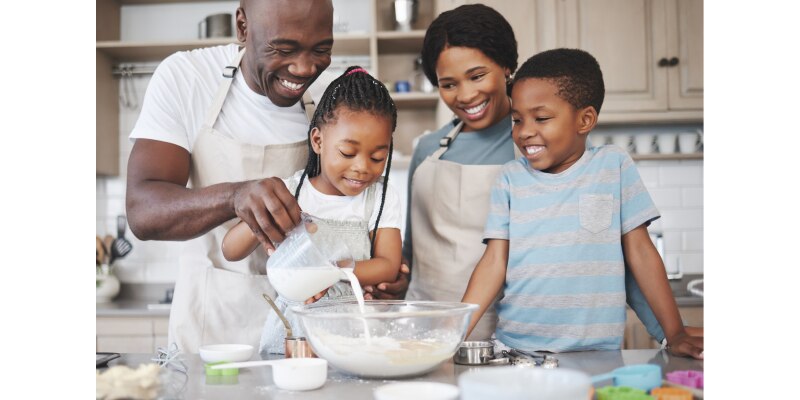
(675, 185)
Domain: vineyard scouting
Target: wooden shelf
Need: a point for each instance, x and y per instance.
(416, 100)
(657, 117)
(131, 51)
(676, 156)
(396, 42)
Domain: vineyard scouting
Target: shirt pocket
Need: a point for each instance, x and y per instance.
(595, 211)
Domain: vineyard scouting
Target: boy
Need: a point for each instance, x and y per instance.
(564, 221)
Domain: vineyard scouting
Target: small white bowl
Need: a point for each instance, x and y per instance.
(215, 353)
(417, 391)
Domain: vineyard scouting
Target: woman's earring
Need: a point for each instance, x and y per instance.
(319, 168)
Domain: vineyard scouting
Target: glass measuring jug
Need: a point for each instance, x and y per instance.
(305, 263)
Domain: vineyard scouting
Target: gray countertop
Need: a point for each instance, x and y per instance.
(257, 382)
(683, 297)
(142, 300)
(137, 300)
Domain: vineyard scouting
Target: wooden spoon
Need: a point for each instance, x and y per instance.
(108, 240)
(100, 252)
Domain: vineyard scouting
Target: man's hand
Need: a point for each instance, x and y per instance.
(390, 290)
(685, 345)
(268, 208)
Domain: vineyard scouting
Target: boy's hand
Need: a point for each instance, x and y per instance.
(685, 345)
(390, 290)
(694, 331)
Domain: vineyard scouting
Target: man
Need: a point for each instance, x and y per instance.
(216, 127)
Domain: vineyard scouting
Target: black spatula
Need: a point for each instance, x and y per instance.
(121, 246)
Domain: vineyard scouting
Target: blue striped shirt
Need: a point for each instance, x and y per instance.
(565, 281)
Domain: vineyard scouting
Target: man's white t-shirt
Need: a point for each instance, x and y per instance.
(183, 87)
(349, 208)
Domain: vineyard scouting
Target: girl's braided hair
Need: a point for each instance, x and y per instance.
(358, 91)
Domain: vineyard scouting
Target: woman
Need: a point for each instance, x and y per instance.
(471, 63)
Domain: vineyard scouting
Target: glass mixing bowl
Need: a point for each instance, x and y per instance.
(390, 339)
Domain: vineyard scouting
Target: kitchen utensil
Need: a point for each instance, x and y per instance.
(621, 393)
(697, 393)
(107, 286)
(690, 378)
(290, 373)
(402, 87)
(518, 357)
(108, 241)
(304, 264)
(405, 14)
(417, 391)
(215, 353)
(513, 383)
(103, 358)
(667, 142)
(643, 142)
(294, 347)
(671, 393)
(474, 353)
(621, 140)
(216, 25)
(687, 142)
(100, 252)
(121, 246)
(640, 376)
(404, 338)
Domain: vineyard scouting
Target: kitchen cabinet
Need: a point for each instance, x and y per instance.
(139, 334)
(636, 336)
(651, 53)
(391, 54)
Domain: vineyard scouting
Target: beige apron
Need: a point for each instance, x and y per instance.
(215, 300)
(449, 205)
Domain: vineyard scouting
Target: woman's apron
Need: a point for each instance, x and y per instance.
(449, 205)
(215, 300)
(354, 234)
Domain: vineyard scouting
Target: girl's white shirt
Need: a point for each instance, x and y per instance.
(350, 208)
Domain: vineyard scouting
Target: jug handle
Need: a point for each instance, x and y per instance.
(201, 29)
(602, 377)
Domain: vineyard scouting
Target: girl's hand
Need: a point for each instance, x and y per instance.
(314, 298)
(390, 290)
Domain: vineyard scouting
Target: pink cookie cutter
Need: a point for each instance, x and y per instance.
(690, 378)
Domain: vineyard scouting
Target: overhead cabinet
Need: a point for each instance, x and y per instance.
(650, 51)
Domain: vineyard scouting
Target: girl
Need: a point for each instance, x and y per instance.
(350, 144)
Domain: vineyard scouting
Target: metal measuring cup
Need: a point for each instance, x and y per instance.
(294, 347)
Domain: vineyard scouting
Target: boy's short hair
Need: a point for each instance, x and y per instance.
(575, 72)
(472, 25)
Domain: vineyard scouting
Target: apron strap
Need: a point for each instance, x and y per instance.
(308, 105)
(228, 72)
(444, 143)
(369, 205)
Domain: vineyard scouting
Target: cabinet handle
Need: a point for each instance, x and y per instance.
(663, 62)
(673, 61)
